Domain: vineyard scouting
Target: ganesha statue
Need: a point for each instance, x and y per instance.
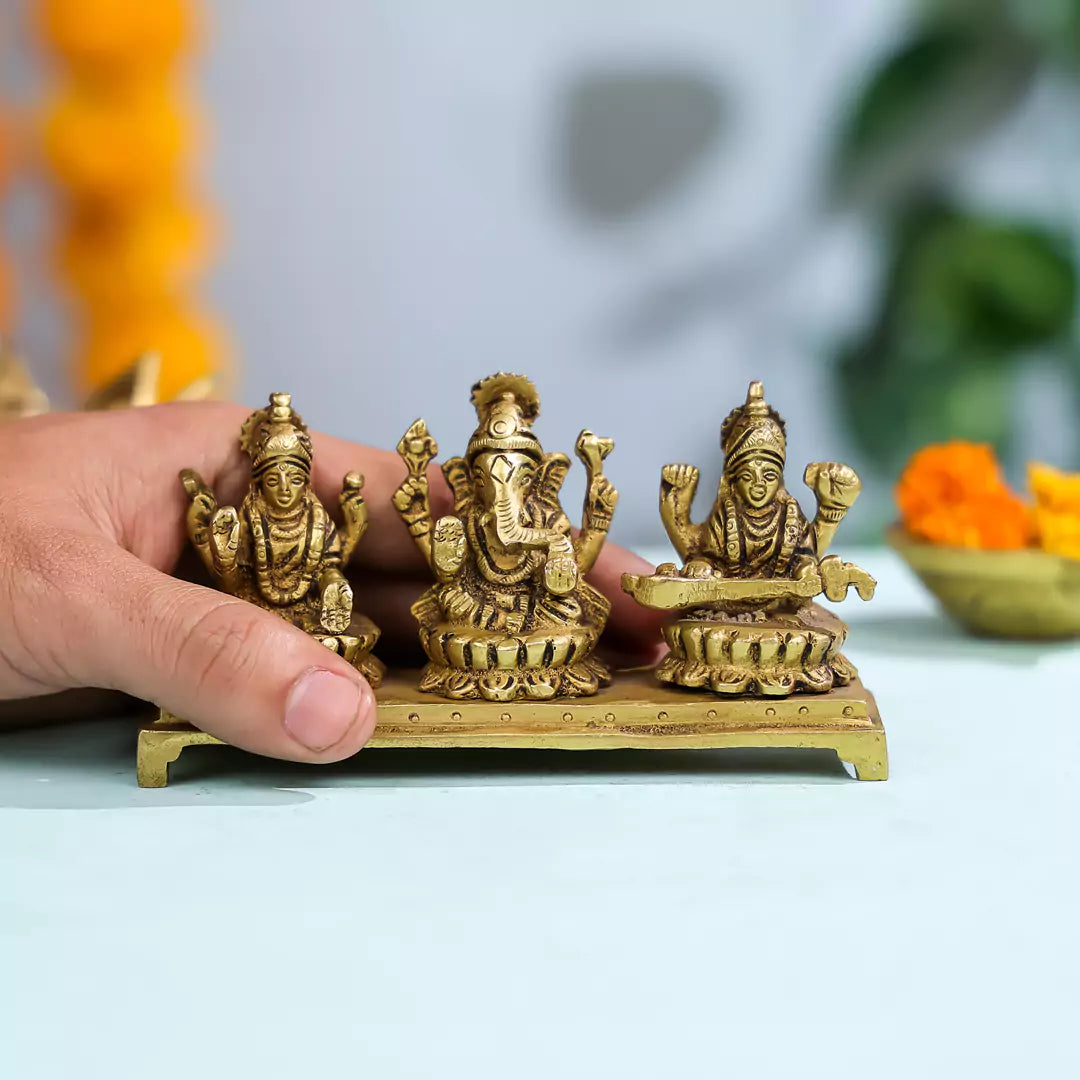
(510, 614)
(281, 549)
(744, 618)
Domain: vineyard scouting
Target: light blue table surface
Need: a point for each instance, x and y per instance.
(436, 914)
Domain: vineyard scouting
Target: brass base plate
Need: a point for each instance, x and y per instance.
(635, 711)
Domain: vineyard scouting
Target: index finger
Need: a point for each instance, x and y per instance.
(161, 440)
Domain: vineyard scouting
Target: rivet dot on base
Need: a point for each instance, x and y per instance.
(414, 716)
(661, 716)
(568, 716)
(711, 714)
(848, 710)
(803, 710)
(609, 717)
(770, 712)
(505, 718)
(455, 716)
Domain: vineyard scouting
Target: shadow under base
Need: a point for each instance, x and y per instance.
(634, 712)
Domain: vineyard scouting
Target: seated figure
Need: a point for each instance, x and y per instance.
(745, 622)
(511, 614)
(281, 550)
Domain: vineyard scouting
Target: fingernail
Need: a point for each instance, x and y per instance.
(321, 708)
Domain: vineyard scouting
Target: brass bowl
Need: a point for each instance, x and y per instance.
(1007, 594)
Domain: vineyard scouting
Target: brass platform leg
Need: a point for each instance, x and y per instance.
(161, 744)
(867, 753)
(154, 757)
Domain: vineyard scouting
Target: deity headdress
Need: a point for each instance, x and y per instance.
(276, 435)
(753, 430)
(506, 406)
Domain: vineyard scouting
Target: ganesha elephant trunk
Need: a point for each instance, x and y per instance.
(560, 568)
(506, 512)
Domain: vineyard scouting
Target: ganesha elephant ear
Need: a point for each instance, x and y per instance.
(456, 472)
(553, 470)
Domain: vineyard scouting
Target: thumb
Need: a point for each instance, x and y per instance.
(232, 669)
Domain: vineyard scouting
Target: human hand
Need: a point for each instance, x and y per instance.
(88, 541)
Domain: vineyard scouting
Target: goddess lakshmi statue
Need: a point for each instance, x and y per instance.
(510, 615)
(745, 621)
(281, 550)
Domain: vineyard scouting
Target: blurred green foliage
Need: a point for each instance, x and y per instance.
(965, 295)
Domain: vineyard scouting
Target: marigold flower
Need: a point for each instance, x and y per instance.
(1054, 489)
(954, 493)
(117, 37)
(134, 253)
(1058, 533)
(1057, 509)
(118, 145)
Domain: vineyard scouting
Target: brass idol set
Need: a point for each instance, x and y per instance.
(510, 625)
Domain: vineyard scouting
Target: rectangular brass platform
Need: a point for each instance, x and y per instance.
(634, 712)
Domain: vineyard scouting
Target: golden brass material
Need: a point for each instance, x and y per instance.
(139, 385)
(281, 549)
(1025, 594)
(19, 394)
(134, 387)
(510, 615)
(746, 622)
(161, 744)
(632, 713)
(668, 590)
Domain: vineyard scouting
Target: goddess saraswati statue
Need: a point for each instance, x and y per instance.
(511, 615)
(745, 622)
(281, 550)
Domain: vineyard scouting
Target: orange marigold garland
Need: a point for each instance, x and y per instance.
(120, 136)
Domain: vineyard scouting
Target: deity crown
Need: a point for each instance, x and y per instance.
(506, 405)
(753, 429)
(276, 435)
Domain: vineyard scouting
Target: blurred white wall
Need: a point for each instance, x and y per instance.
(393, 177)
(400, 223)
